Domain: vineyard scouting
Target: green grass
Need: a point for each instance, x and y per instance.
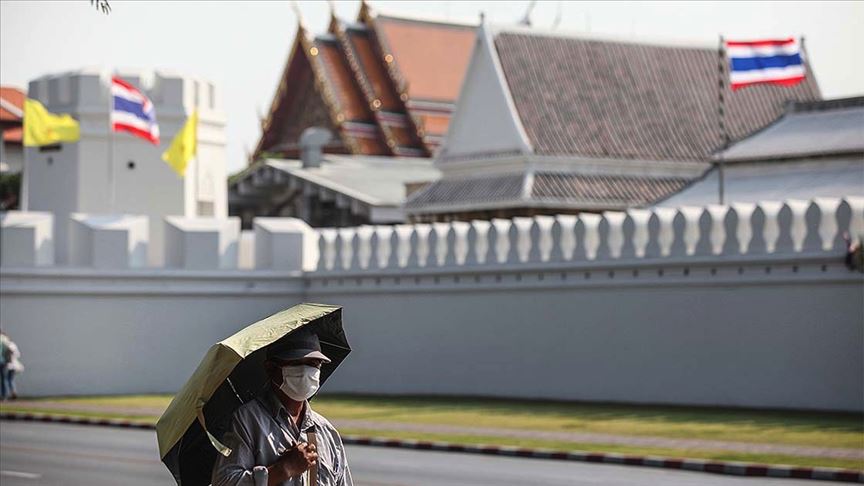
(740, 425)
(147, 419)
(621, 449)
(812, 429)
(130, 401)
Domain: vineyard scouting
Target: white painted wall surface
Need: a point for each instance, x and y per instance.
(26, 239)
(749, 305)
(143, 332)
(693, 341)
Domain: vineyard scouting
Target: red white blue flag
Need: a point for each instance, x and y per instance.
(133, 112)
(764, 61)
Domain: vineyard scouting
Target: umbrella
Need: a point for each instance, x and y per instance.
(191, 430)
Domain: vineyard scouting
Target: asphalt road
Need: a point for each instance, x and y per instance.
(34, 454)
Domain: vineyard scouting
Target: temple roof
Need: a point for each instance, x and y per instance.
(384, 85)
(11, 113)
(601, 98)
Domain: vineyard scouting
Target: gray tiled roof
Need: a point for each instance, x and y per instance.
(811, 129)
(473, 190)
(604, 189)
(620, 100)
(548, 189)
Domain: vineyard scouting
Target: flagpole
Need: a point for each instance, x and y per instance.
(110, 142)
(721, 117)
(196, 195)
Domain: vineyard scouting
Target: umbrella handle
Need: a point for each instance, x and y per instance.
(222, 448)
(313, 471)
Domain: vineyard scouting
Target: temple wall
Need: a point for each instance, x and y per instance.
(748, 305)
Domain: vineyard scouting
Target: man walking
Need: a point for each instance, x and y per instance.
(277, 439)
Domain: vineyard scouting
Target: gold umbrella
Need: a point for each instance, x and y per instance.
(191, 430)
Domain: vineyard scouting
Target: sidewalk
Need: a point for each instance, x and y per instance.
(580, 437)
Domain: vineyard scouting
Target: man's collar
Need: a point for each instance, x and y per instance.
(271, 401)
(275, 407)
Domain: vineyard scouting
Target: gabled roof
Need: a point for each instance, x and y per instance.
(11, 113)
(365, 74)
(812, 129)
(426, 60)
(376, 87)
(613, 99)
(318, 89)
(298, 103)
(594, 97)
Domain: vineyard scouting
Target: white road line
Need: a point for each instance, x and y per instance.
(19, 474)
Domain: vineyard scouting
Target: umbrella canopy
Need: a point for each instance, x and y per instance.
(191, 430)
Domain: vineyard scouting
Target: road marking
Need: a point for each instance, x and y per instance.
(19, 474)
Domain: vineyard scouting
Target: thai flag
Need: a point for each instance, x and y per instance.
(764, 61)
(133, 112)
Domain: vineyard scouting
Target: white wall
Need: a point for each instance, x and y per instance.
(750, 305)
(95, 332)
(793, 341)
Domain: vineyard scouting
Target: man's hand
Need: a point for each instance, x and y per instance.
(293, 463)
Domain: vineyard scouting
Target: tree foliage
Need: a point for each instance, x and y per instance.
(102, 5)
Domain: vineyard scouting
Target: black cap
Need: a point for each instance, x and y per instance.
(297, 345)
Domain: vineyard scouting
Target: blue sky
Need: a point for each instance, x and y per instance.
(242, 46)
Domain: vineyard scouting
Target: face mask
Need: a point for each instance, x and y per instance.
(300, 382)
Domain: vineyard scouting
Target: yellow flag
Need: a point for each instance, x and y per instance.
(184, 146)
(44, 128)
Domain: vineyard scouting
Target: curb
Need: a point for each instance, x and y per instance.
(697, 465)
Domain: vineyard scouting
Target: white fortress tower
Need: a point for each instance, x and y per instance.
(78, 177)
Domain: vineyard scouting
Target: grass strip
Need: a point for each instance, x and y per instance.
(776, 459)
(813, 429)
(505, 441)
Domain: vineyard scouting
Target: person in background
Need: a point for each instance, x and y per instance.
(10, 364)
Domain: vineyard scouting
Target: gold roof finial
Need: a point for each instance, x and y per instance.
(365, 12)
(335, 22)
(296, 9)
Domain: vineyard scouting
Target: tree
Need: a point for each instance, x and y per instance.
(102, 5)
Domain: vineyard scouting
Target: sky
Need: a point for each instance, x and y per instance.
(242, 46)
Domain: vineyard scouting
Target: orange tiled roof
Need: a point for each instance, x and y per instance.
(361, 50)
(297, 104)
(387, 86)
(431, 57)
(15, 97)
(427, 62)
(13, 135)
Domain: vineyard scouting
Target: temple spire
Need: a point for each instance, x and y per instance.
(365, 12)
(301, 23)
(334, 20)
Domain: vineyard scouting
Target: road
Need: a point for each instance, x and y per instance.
(36, 454)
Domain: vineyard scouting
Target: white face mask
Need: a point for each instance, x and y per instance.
(300, 382)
